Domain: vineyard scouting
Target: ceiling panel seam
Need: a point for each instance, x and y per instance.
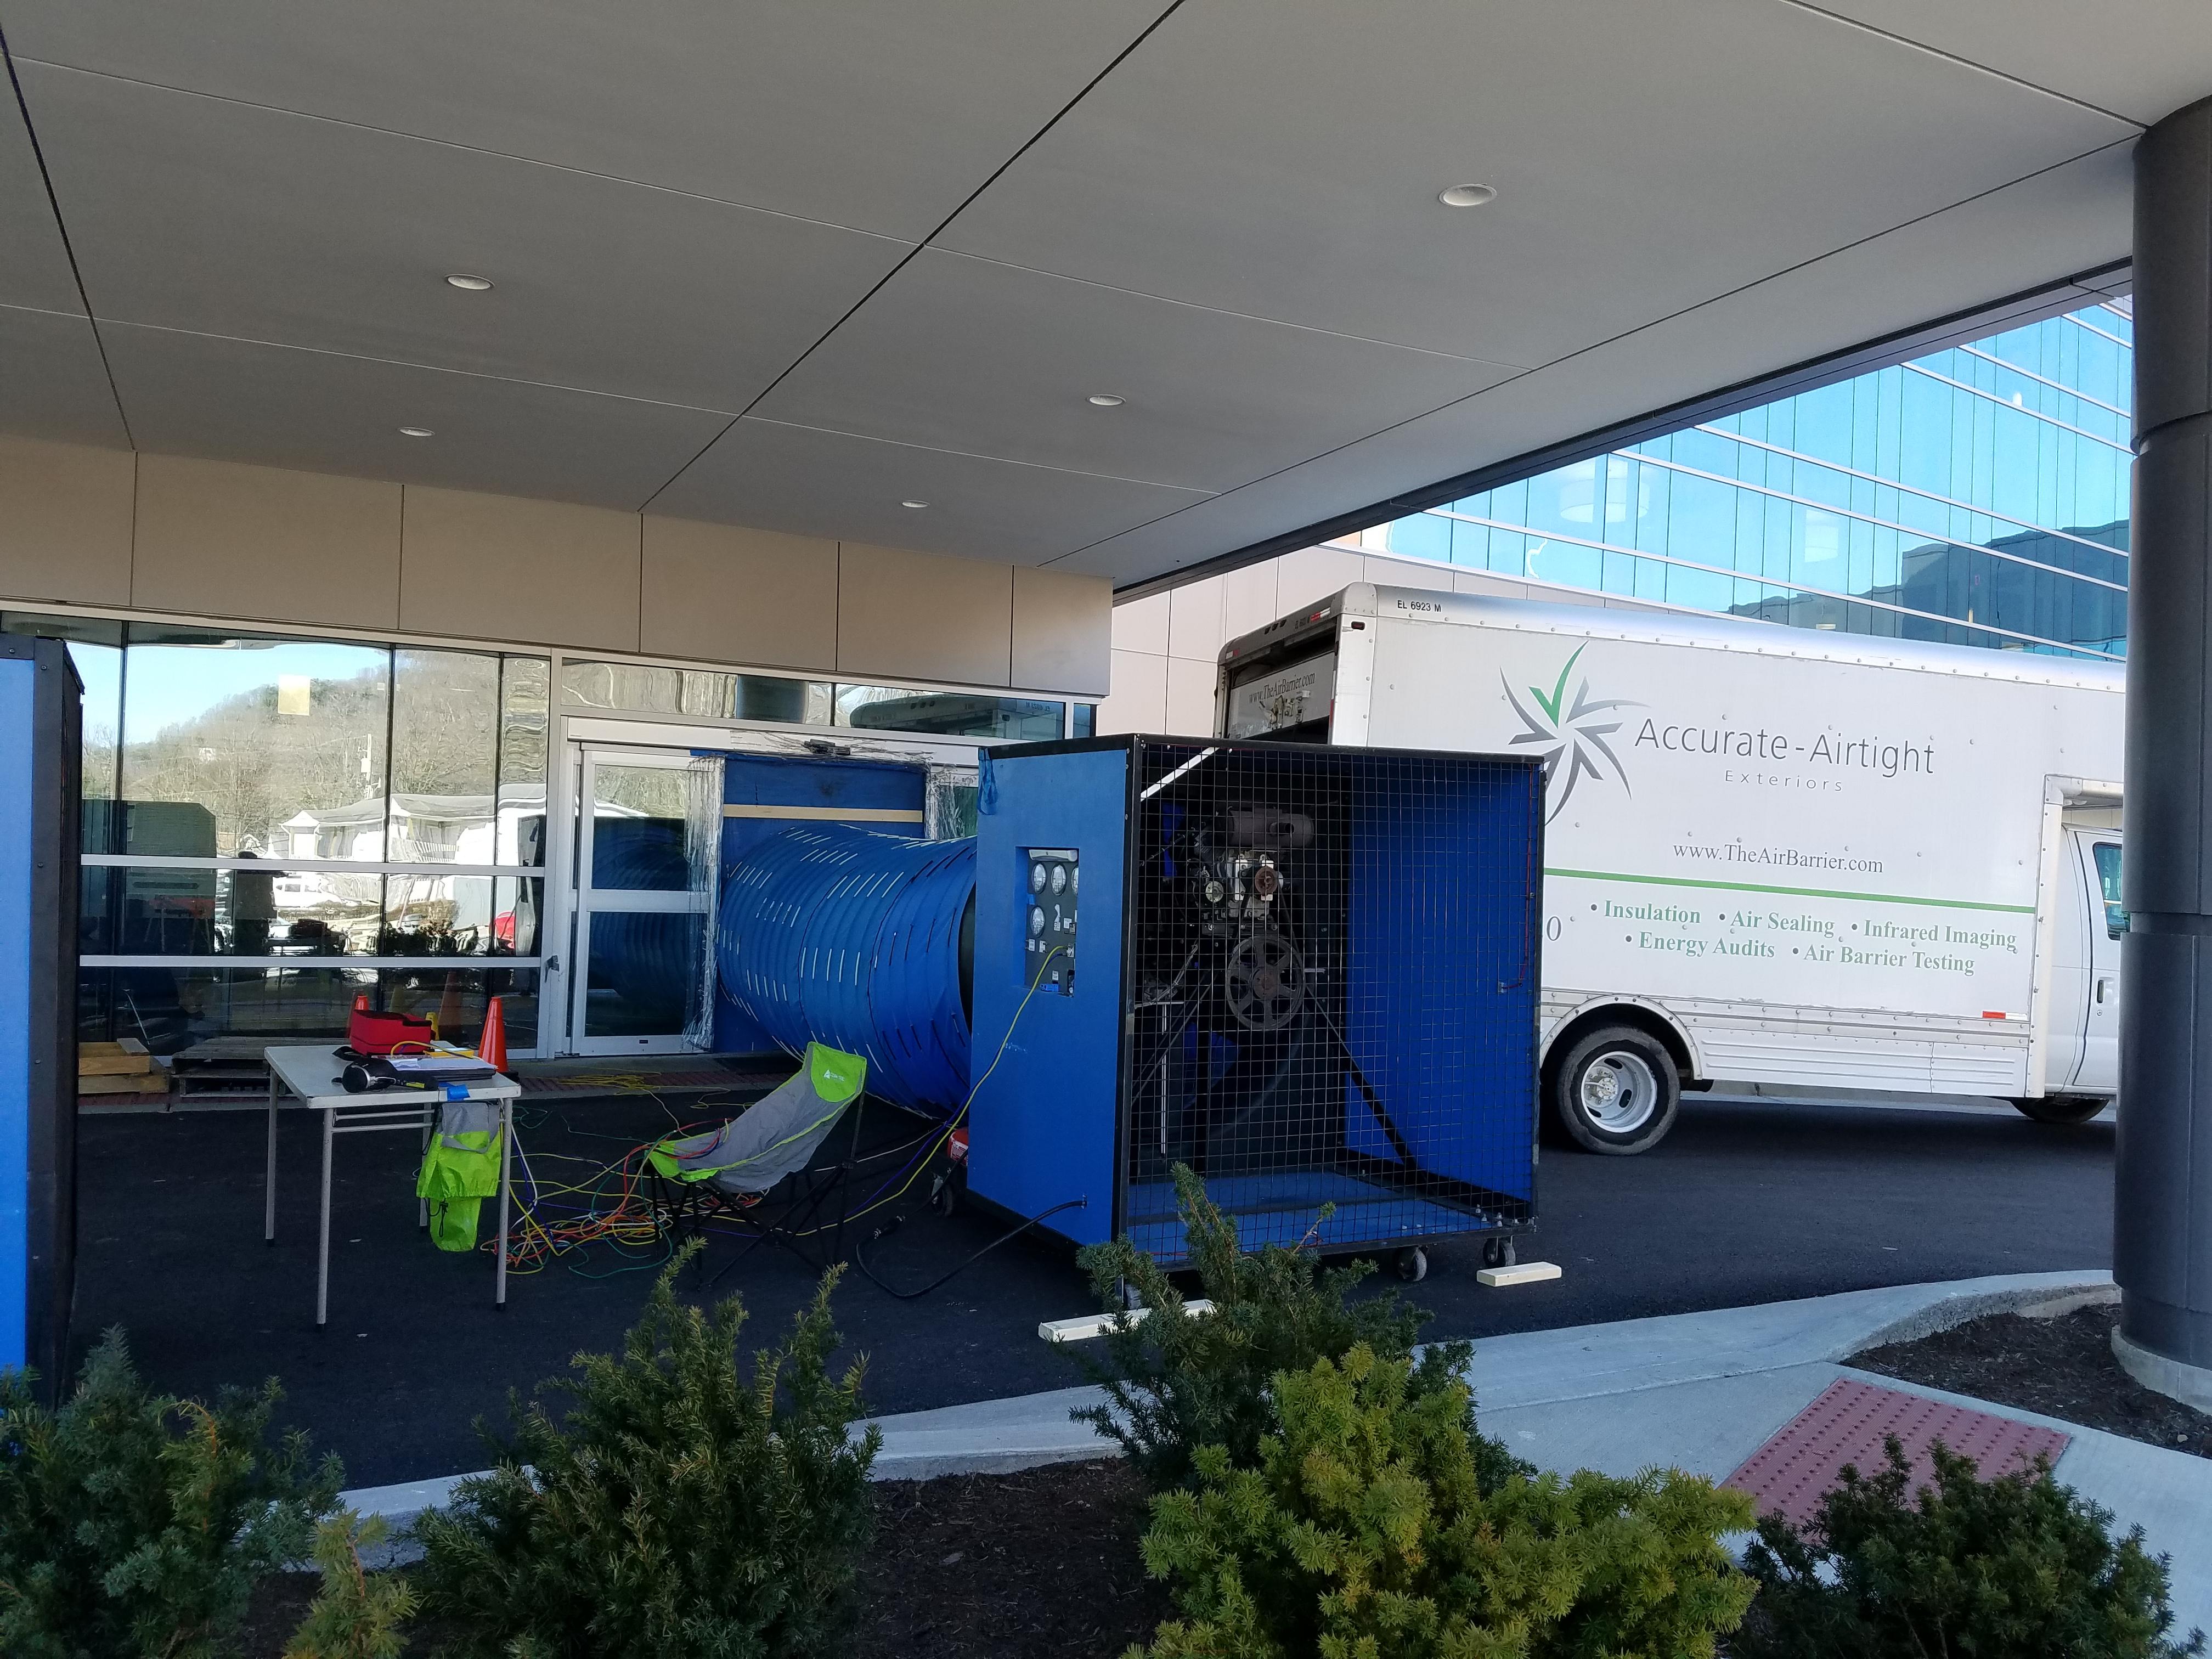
(427, 369)
(1085, 91)
(1921, 46)
(467, 149)
(1627, 334)
(61, 229)
(1224, 311)
(995, 460)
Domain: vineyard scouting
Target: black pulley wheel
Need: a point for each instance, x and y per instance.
(1616, 1091)
(1265, 982)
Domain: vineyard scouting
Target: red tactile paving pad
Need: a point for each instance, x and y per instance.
(1787, 1474)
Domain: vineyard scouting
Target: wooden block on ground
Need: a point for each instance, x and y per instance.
(123, 1082)
(1526, 1272)
(1090, 1325)
(118, 1063)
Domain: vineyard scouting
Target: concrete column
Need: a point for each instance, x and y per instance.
(2162, 1226)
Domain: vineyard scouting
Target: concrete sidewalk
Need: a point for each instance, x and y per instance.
(1698, 1392)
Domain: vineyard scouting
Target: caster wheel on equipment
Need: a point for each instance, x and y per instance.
(1412, 1265)
(1498, 1252)
(944, 1196)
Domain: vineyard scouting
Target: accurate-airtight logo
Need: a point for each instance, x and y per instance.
(1574, 733)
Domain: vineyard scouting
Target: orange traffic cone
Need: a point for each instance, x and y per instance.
(492, 1046)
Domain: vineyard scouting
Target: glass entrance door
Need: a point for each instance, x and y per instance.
(645, 862)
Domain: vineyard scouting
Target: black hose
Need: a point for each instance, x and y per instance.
(860, 1260)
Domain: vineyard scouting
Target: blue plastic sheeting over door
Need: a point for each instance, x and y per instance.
(827, 786)
(18, 678)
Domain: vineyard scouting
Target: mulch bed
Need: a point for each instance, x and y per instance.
(2062, 1367)
(1042, 1565)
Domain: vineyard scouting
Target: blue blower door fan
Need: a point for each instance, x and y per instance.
(39, 741)
(1309, 974)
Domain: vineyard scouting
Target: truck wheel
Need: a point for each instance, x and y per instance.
(2063, 1109)
(1617, 1092)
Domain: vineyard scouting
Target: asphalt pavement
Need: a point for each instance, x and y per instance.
(1748, 1202)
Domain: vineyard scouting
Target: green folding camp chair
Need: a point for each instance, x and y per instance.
(728, 1174)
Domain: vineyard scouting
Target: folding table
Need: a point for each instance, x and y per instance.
(311, 1074)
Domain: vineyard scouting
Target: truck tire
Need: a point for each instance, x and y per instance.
(2063, 1109)
(1616, 1091)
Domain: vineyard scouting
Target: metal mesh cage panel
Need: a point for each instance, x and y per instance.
(1330, 975)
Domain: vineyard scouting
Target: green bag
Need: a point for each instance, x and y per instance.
(460, 1169)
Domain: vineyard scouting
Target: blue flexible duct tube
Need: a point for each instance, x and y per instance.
(844, 937)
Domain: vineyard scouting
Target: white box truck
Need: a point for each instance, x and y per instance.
(1772, 855)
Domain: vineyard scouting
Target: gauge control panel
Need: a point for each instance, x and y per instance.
(1049, 887)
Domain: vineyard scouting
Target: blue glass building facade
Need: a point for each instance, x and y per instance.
(1977, 495)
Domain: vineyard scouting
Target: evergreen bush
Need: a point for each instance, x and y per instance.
(1365, 1532)
(134, 1523)
(1174, 1383)
(357, 1615)
(677, 1510)
(2017, 1567)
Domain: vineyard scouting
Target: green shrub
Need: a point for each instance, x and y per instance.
(1174, 1383)
(133, 1523)
(2019, 1567)
(1365, 1533)
(357, 1615)
(678, 1510)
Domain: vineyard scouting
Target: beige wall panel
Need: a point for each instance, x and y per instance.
(1312, 573)
(1194, 619)
(1063, 631)
(1408, 573)
(1248, 601)
(266, 544)
(1142, 625)
(1498, 588)
(65, 514)
(540, 573)
(1139, 702)
(903, 615)
(724, 594)
(1190, 697)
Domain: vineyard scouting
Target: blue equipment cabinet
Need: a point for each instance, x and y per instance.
(39, 760)
(1309, 974)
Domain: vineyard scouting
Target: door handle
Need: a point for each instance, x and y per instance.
(2102, 982)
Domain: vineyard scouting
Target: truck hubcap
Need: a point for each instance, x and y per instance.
(1619, 1092)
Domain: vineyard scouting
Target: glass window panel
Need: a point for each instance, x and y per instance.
(644, 976)
(950, 713)
(164, 911)
(526, 719)
(279, 743)
(460, 916)
(639, 815)
(651, 689)
(455, 998)
(1082, 721)
(445, 755)
(759, 697)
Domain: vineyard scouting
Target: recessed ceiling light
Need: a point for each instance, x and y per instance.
(914, 503)
(1467, 195)
(416, 431)
(1105, 402)
(461, 279)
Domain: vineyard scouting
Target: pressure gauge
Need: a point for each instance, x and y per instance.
(1036, 878)
(1036, 919)
(1060, 878)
